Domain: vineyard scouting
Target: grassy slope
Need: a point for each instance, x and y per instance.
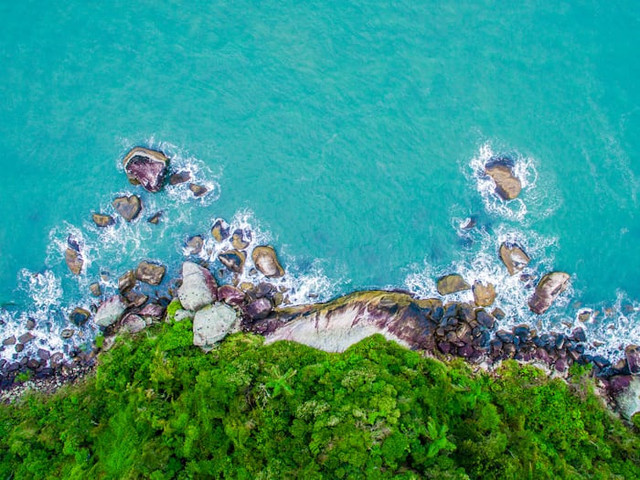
(160, 408)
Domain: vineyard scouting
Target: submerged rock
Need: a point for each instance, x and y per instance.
(194, 245)
(513, 257)
(452, 284)
(79, 316)
(155, 218)
(220, 230)
(265, 259)
(211, 324)
(483, 295)
(508, 186)
(151, 273)
(233, 260)
(110, 311)
(198, 288)
(95, 289)
(102, 220)
(128, 206)
(146, 167)
(548, 289)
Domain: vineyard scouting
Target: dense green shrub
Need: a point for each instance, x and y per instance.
(159, 408)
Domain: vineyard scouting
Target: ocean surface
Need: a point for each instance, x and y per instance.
(351, 135)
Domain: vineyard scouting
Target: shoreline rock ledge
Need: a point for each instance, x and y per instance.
(146, 167)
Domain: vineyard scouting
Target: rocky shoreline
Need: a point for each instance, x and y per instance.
(437, 327)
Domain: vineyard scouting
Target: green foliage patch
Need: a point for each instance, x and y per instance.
(159, 408)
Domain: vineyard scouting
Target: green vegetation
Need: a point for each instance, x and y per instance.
(159, 408)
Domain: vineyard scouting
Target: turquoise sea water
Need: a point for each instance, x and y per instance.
(346, 132)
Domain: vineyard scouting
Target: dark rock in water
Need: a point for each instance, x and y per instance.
(135, 299)
(128, 206)
(67, 333)
(233, 260)
(513, 257)
(220, 230)
(266, 261)
(632, 354)
(259, 309)
(74, 260)
(198, 190)
(31, 324)
(9, 340)
(33, 364)
(146, 167)
(56, 360)
(194, 245)
(508, 186)
(451, 284)
(155, 218)
(179, 177)
(103, 220)
(199, 287)
(522, 331)
(240, 239)
(548, 289)
(19, 347)
(25, 337)
(126, 282)
(483, 295)
(469, 223)
(264, 289)
(95, 289)
(231, 295)
(498, 313)
(150, 273)
(79, 316)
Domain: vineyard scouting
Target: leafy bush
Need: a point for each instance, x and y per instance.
(159, 408)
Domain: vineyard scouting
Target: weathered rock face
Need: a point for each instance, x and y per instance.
(211, 324)
(632, 355)
(146, 167)
(110, 311)
(240, 239)
(198, 287)
(152, 311)
(508, 186)
(126, 282)
(335, 326)
(233, 260)
(79, 316)
(483, 295)
(231, 295)
(102, 220)
(128, 206)
(265, 259)
(150, 273)
(513, 257)
(220, 230)
(548, 289)
(628, 399)
(451, 284)
(133, 323)
(74, 260)
(259, 309)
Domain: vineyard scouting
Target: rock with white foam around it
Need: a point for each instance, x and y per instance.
(508, 186)
(146, 167)
(549, 288)
(198, 288)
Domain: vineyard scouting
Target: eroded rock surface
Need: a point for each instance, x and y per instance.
(146, 167)
(548, 289)
(266, 261)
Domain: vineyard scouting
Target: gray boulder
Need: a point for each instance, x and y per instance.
(198, 287)
(548, 289)
(110, 311)
(211, 324)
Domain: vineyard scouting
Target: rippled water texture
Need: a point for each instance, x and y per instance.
(353, 132)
